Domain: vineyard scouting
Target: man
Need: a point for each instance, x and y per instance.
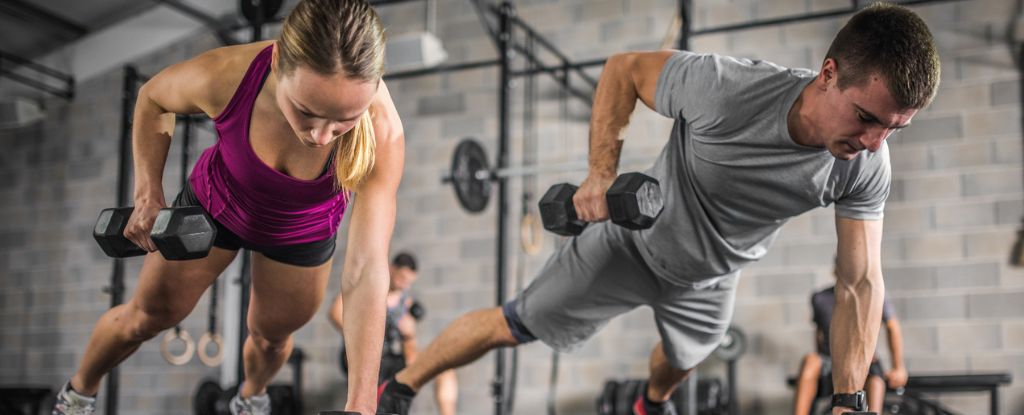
(400, 332)
(754, 145)
(816, 368)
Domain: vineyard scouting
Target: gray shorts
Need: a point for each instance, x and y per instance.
(599, 275)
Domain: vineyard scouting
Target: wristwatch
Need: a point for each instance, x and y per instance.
(854, 400)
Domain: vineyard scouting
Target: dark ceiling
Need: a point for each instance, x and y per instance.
(33, 28)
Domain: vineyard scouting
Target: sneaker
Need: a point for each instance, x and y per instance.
(394, 397)
(644, 407)
(255, 405)
(70, 402)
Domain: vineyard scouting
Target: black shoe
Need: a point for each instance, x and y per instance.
(394, 397)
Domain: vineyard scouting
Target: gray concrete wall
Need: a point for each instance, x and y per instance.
(950, 221)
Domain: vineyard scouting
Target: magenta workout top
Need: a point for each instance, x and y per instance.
(261, 205)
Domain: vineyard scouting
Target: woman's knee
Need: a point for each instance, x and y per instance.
(144, 323)
(270, 344)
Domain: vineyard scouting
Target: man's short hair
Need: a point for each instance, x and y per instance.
(893, 42)
(404, 260)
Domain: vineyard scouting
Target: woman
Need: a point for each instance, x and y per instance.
(303, 121)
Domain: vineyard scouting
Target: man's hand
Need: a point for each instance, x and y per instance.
(590, 202)
(897, 378)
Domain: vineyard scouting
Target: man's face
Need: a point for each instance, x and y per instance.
(402, 278)
(859, 117)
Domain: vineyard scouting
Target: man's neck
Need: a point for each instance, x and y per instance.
(798, 119)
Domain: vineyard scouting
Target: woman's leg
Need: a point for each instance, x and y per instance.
(283, 299)
(167, 292)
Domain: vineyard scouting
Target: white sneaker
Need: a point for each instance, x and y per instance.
(70, 402)
(255, 405)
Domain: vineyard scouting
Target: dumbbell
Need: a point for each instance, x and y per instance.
(417, 311)
(634, 202)
(179, 233)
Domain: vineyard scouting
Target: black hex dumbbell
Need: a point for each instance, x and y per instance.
(179, 233)
(634, 202)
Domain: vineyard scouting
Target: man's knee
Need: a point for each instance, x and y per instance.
(520, 334)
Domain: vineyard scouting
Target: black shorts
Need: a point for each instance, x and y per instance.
(309, 254)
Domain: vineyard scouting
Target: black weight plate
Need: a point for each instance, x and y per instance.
(282, 400)
(205, 400)
(733, 345)
(259, 11)
(606, 402)
(626, 396)
(472, 191)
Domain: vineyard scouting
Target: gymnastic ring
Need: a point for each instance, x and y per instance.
(165, 347)
(531, 234)
(204, 343)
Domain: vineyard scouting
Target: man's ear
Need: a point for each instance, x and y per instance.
(829, 74)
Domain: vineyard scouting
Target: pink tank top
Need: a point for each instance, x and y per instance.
(259, 204)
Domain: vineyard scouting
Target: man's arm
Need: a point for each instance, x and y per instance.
(897, 378)
(626, 78)
(860, 293)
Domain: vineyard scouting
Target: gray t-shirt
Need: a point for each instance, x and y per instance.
(731, 174)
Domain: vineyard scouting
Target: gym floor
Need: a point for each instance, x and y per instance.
(951, 219)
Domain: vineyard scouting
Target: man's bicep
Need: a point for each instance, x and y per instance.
(645, 70)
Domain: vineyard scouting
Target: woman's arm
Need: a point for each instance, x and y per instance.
(336, 313)
(365, 273)
(187, 87)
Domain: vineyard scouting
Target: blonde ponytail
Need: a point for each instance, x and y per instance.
(354, 155)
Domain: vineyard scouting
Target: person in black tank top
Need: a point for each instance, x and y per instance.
(403, 312)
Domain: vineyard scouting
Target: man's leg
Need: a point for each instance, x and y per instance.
(590, 280)
(807, 384)
(462, 342)
(692, 322)
(446, 392)
(664, 377)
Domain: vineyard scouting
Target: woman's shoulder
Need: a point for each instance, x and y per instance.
(223, 69)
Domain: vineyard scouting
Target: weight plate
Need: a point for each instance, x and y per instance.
(470, 176)
(259, 11)
(205, 400)
(733, 345)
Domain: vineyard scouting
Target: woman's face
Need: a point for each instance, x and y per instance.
(320, 108)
